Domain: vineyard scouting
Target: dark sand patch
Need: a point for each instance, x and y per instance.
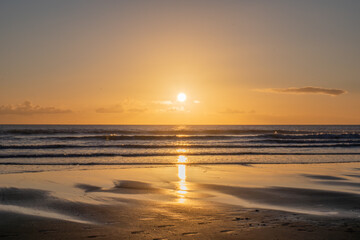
(123, 187)
(323, 177)
(88, 187)
(337, 183)
(96, 236)
(226, 231)
(189, 233)
(168, 225)
(22, 196)
(39, 203)
(353, 175)
(297, 198)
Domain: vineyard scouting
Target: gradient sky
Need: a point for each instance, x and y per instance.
(124, 62)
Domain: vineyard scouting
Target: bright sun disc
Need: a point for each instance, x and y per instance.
(181, 97)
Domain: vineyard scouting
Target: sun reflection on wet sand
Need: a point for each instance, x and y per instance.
(182, 188)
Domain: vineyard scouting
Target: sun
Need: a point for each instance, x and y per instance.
(181, 97)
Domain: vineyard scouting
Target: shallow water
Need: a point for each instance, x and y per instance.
(315, 189)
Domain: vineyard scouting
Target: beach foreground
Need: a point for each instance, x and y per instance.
(273, 201)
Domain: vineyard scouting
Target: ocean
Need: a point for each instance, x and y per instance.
(42, 147)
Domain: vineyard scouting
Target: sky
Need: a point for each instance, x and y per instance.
(125, 62)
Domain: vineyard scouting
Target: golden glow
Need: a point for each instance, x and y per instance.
(181, 97)
(181, 150)
(181, 200)
(182, 159)
(185, 78)
(182, 172)
(182, 188)
(181, 135)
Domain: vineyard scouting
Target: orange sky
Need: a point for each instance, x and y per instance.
(248, 62)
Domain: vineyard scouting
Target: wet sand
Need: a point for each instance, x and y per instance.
(312, 201)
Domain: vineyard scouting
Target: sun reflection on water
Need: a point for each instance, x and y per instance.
(182, 159)
(181, 150)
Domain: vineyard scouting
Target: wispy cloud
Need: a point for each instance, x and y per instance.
(133, 106)
(125, 106)
(112, 109)
(137, 110)
(27, 108)
(176, 109)
(305, 90)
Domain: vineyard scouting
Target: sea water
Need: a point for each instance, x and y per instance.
(29, 147)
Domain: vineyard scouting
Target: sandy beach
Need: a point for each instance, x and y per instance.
(289, 201)
(178, 120)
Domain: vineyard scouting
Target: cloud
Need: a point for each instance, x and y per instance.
(27, 108)
(113, 109)
(133, 106)
(126, 106)
(137, 110)
(176, 109)
(305, 90)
